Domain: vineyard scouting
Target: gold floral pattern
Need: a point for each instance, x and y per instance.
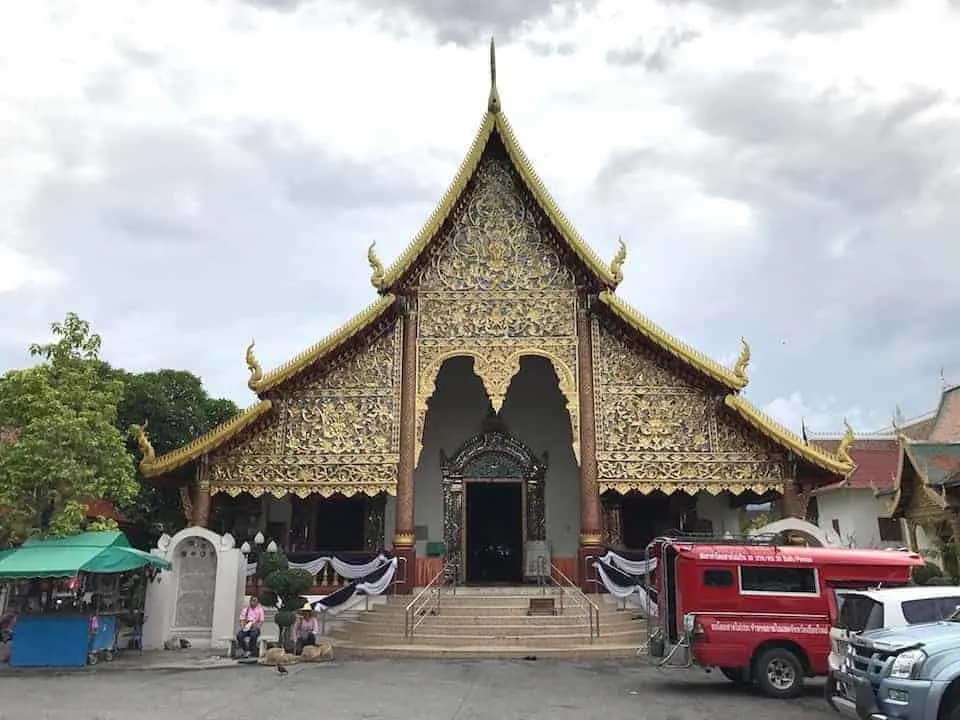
(333, 429)
(659, 427)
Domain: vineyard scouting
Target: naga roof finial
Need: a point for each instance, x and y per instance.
(493, 102)
(256, 372)
(846, 445)
(743, 362)
(616, 265)
(143, 442)
(376, 279)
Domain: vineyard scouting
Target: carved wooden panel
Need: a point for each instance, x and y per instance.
(496, 285)
(661, 427)
(334, 429)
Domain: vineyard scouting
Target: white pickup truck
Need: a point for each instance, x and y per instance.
(861, 610)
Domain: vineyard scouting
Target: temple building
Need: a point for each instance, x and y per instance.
(925, 492)
(497, 400)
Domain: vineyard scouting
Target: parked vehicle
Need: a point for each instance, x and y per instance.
(909, 673)
(864, 610)
(760, 612)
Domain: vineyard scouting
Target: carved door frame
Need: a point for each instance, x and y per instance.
(492, 455)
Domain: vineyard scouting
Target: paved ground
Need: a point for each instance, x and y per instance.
(399, 690)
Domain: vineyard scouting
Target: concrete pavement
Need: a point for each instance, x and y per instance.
(400, 690)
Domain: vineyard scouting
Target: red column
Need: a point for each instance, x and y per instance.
(591, 537)
(403, 534)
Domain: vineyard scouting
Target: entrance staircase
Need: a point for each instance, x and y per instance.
(492, 622)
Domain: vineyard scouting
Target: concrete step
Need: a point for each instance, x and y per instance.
(533, 623)
(567, 640)
(482, 635)
(518, 652)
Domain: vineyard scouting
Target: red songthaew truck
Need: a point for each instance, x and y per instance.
(760, 612)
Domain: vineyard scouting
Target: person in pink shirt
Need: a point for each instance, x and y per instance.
(306, 629)
(251, 620)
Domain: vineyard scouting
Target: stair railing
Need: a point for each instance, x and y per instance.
(418, 609)
(590, 608)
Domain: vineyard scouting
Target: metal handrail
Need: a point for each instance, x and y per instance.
(591, 609)
(432, 590)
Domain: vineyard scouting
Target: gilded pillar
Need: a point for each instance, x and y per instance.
(403, 537)
(590, 529)
(201, 505)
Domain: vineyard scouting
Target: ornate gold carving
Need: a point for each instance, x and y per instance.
(256, 372)
(591, 539)
(335, 429)
(497, 240)
(496, 287)
(143, 443)
(404, 539)
(743, 362)
(662, 428)
(616, 265)
(491, 315)
(186, 503)
(376, 278)
(846, 444)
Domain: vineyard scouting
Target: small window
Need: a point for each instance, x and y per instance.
(778, 580)
(927, 610)
(717, 578)
(859, 613)
(890, 529)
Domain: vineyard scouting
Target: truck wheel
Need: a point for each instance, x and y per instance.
(779, 673)
(738, 676)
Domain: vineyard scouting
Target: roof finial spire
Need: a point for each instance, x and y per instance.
(493, 103)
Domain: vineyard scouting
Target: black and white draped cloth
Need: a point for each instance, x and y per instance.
(375, 583)
(624, 577)
(315, 565)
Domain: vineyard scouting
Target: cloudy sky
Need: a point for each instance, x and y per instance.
(189, 174)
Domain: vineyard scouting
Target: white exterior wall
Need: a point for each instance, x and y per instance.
(857, 511)
(534, 411)
(716, 509)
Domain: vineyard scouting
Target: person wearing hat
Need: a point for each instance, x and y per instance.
(305, 629)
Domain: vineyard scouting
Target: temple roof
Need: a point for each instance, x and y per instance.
(877, 463)
(946, 423)
(607, 276)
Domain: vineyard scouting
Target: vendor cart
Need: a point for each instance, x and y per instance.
(73, 597)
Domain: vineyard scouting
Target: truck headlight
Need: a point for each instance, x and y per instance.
(907, 664)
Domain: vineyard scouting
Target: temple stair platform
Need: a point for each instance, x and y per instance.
(492, 622)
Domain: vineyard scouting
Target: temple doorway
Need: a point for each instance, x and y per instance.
(494, 532)
(341, 523)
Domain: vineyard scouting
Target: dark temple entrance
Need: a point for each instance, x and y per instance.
(494, 532)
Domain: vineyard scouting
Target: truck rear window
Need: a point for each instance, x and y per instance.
(859, 613)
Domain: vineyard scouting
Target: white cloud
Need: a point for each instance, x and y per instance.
(217, 169)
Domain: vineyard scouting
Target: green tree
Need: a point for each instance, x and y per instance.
(177, 410)
(69, 447)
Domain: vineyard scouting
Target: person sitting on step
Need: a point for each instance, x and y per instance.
(305, 629)
(251, 620)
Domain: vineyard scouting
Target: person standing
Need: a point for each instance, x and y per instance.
(251, 621)
(305, 629)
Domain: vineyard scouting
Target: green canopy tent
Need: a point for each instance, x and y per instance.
(92, 552)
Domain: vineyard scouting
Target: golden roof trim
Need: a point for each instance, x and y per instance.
(318, 350)
(496, 121)
(781, 435)
(676, 347)
(151, 467)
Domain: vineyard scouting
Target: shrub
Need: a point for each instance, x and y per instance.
(924, 574)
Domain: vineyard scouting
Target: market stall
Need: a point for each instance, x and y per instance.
(72, 598)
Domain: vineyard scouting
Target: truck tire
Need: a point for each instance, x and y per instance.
(779, 673)
(952, 713)
(738, 676)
